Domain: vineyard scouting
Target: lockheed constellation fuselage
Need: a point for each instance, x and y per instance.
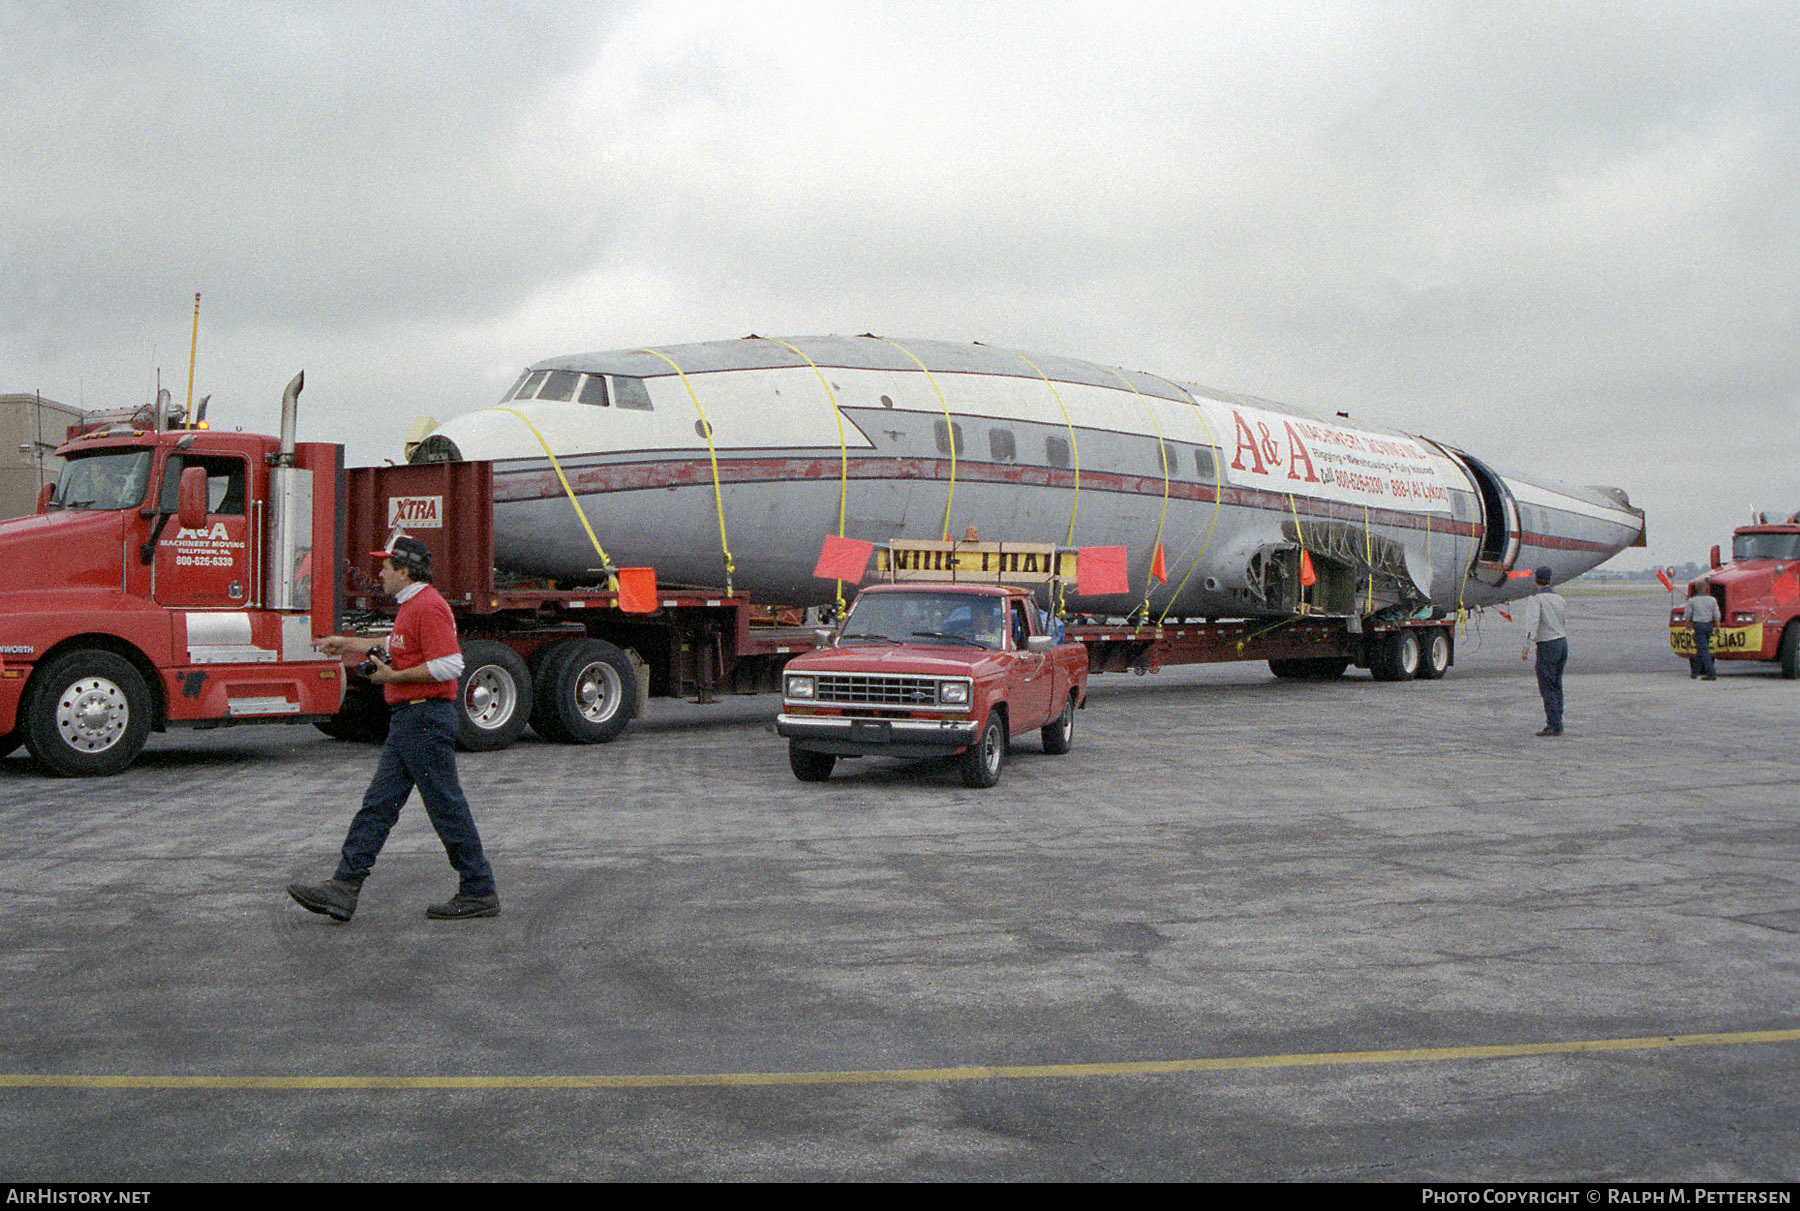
(732, 460)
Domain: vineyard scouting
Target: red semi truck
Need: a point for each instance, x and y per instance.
(1758, 594)
(176, 576)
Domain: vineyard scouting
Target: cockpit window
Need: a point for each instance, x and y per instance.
(593, 391)
(512, 392)
(559, 386)
(528, 386)
(1765, 546)
(630, 393)
(111, 479)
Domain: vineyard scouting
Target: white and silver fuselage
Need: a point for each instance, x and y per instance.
(880, 440)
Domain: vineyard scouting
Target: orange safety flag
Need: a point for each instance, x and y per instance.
(1662, 574)
(1786, 587)
(1521, 574)
(843, 559)
(1100, 571)
(637, 590)
(1308, 577)
(1157, 568)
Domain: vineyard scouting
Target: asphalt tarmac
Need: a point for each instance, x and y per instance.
(1246, 930)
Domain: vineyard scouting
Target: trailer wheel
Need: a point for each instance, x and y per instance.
(1434, 659)
(493, 697)
(809, 766)
(1288, 669)
(981, 762)
(1396, 656)
(87, 714)
(1790, 651)
(585, 691)
(1059, 734)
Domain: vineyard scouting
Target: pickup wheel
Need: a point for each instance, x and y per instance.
(981, 762)
(87, 714)
(1434, 654)
(1059, 735)
(585, 691)
(809, 766)
(493, 697)
(1790, 651)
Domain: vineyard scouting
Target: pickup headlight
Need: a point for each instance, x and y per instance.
(954, 693)
(799, 687)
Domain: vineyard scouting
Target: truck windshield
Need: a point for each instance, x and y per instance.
(105, 479)
(969, 619)
(1765, 546)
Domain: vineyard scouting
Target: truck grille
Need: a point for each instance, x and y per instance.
(862, 690)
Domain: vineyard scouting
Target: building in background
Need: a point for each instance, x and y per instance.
(31, 428)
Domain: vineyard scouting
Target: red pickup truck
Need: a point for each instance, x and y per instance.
(922, 670)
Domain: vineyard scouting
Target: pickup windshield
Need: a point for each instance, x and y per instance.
(956, 618)
(1765, 546)
(105, 479)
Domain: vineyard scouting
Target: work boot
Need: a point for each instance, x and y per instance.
(1551, 731)
(462, 907)
(334, 897)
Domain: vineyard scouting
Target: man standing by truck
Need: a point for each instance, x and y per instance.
(418, 669)
(1547, 626)
(1702, 609)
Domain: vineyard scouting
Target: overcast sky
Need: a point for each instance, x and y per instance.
(1565, 236)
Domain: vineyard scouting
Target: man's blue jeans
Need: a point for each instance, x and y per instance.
(1552, 655)
(421, 752)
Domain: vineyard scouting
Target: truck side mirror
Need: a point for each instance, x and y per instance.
(1715, 557)
(190, 501)
(44, 495)
(1039, 643)
(822, 637)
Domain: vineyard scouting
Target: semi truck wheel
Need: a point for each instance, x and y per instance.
(363, 718)
(11, 741)
(981, 762)
(1059, 735)
(1396, 656)
(1434, 657)
(87, 714)
(493, 697)
(809, 766)
(585, 692)
(1790, 651)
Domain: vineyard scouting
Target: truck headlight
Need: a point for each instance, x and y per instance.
(799, 687)
(954, 693)
(1743, 619)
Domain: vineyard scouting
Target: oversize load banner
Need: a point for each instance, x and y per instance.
(984, 562)
(1725, 640)
(1281, 453)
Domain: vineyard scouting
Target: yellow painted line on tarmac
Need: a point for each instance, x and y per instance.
(895, 1075)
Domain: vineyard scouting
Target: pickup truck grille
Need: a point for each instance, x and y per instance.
(858, 689)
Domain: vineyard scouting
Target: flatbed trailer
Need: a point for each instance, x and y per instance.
(1302, 647)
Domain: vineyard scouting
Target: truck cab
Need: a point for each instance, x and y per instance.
(1758, 592)
(924, 670)
(165, 579)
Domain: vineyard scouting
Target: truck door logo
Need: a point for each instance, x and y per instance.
(416, 512)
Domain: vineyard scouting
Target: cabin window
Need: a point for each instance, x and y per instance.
(1056, 451)
(630, 393)
(513, 391)
(114, 479)
(225, 477)
(593, 391)
(1203, 464)
(949, 437)
(1001, 447)
(532, 381)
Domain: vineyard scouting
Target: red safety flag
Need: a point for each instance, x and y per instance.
(1521, 574)
(1503, 613)
(637, 590)
(1662, 574)
(1786, 587)
(1157, 569)
(1308, 577)
(843, 559)
(1100, 571)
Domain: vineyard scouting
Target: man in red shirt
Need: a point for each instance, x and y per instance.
(417, 666)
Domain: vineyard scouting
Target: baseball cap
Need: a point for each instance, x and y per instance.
(406, 551)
